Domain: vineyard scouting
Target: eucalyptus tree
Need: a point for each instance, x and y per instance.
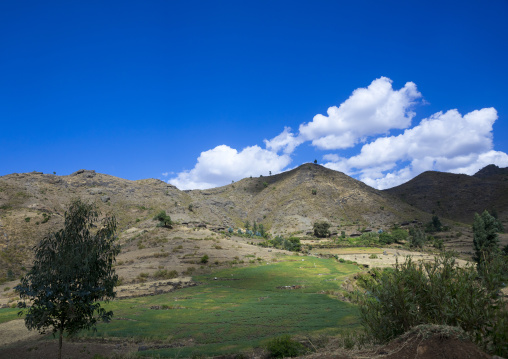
(72, 272)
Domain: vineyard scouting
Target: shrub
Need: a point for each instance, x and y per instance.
(434, 225)
(284, 347)
(399, 235)
(45, 218)
(485, 240)
(204, 259)
(164, 219)
(438, 243)
(314, 191)
(321, 229)
(439, 293)
(27, 219)
(385, 238)
(417, 238)
(289, 244)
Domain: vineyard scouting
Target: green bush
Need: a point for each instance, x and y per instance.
(164, 219)
(204, 259)
(417, 238)
(385, 238)
(399, 235)
(439, 293)
(284, 347)
(321, 229)
(289, 244)
(434, 225)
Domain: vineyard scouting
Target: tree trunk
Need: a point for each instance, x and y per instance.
(60, 344)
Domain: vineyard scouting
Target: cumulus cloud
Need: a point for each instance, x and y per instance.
(367, 112)
(223, 164)
(331, 157)
(285, 141)
(447, 142)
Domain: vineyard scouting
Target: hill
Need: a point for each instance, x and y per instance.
(292, 201)
(458, 196)
(31, 204)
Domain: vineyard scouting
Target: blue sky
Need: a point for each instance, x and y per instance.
(201, 93)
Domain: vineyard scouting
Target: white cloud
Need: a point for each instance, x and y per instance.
(331, 157)
(165, 174)
(285, 141)
(223, 164)
(446, 142)
(367, 112)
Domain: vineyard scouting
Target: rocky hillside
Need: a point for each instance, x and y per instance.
(292, 201)
(31, 204)
(458, 196)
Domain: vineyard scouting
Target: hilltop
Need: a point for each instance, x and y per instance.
(292, 201)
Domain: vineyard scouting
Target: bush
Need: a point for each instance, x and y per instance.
(204, 259)
(434, 225)
(321, 229)
(164, 219)
(439, 293)
(289, 244)
(284, 347)
(417, 238)
(385, 238)
(399, 235)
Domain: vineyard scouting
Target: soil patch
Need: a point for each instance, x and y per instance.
(421, 342)
(45, 348)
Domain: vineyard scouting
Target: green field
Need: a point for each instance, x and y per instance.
(239, 310)
(8, 314)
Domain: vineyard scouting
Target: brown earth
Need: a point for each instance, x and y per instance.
(31, 204)
(422, 342)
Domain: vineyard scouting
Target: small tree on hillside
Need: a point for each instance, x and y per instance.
(321, 229)
(417, 238)
(72, 272)
(485, 238)
(164, 219)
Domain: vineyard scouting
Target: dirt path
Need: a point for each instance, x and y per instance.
(386, 258)
(15, 331)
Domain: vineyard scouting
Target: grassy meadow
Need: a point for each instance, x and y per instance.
(236, 309)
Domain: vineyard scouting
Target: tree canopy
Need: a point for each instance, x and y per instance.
(485, 238)
(321, 229)
(164, 219)
(71, 273)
